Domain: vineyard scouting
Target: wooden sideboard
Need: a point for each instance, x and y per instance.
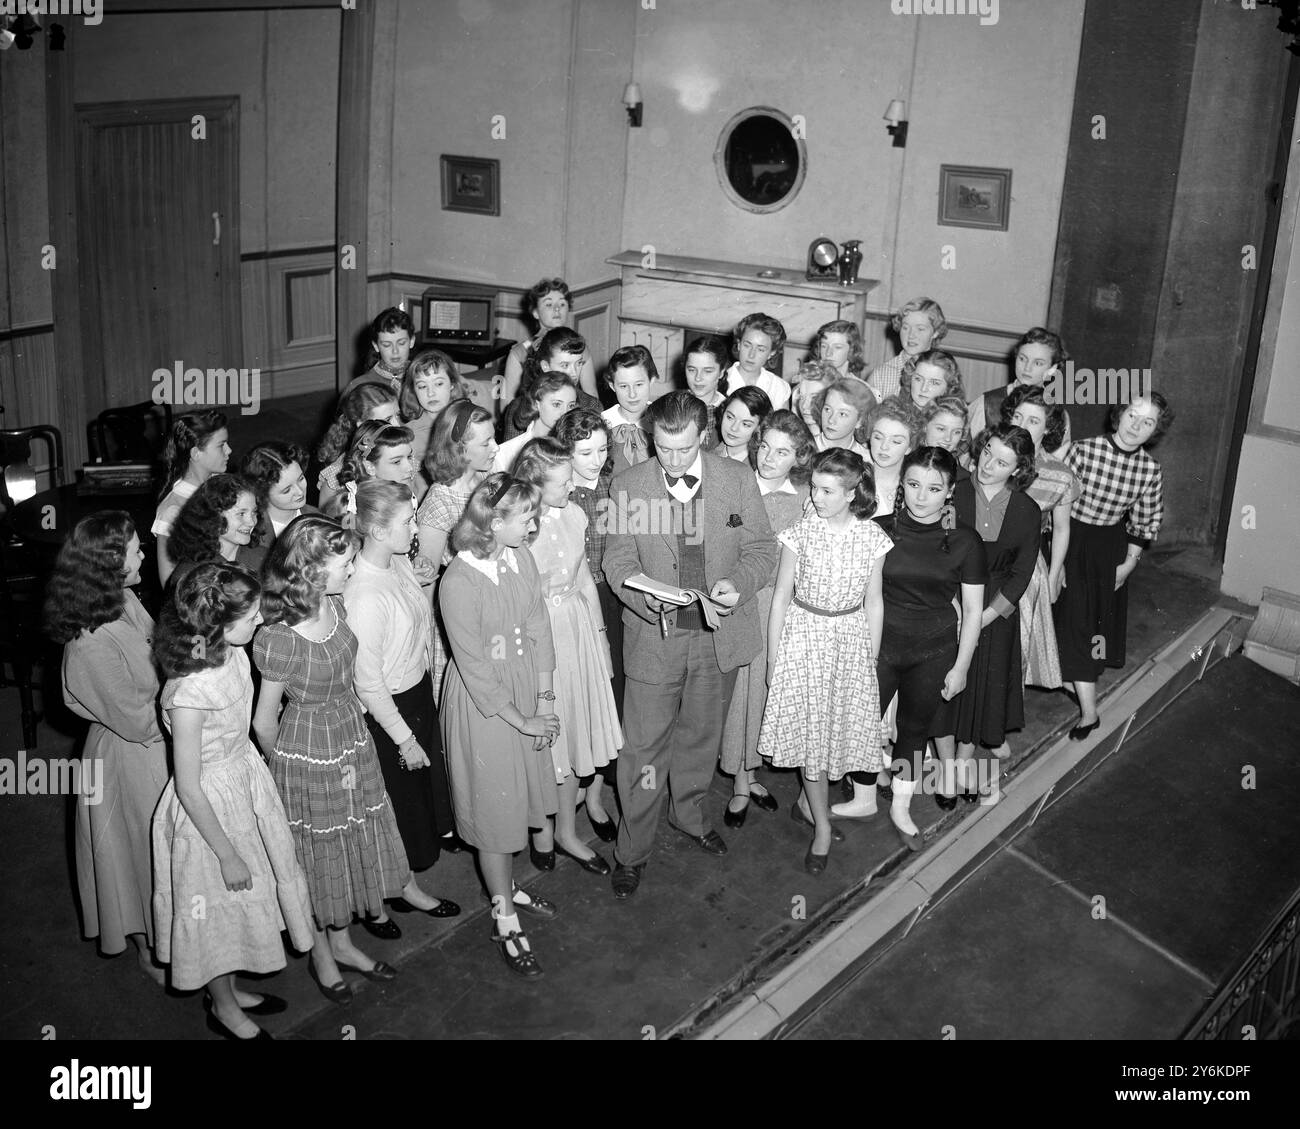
(665, 303)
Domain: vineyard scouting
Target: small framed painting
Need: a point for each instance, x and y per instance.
(974, 197)
(471, 184)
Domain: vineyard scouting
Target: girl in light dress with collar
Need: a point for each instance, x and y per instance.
(782, 458)
(592, 736)
(498, 700)
(110, 680)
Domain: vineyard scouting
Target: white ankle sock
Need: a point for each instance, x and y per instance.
(899, 808)
(863, 802)
(508, 923)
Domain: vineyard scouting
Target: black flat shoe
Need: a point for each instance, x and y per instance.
(543, 860)
(736, 818)
(765, 801)
(606, 831)
(218, 1028)
(814, 863)
(445, 908)
(626, 879)
(384, 930)
(453, 843)
(1080, 732)
(710, 842)
(381, 974)
(338, 993)
(798, 816)
(945, 803)
(523, 963)
(270, 1005)
(593, 865)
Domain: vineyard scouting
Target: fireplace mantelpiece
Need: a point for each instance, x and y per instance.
(679, 296)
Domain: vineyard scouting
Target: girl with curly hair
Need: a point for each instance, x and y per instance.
(839, 343)
(197, 448)
(217, 524)
(994, 503)
(110, 680)
(547, 306)
(365, 401)
(221, 840)
(460, 457)
(782, 461)
(320, 752)
(275, 470)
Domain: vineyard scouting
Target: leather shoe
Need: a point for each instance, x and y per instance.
(384, 930)
(814, 863)
(606, 831)
(536, 906)
(946, 803)
(796, 813)
(542, 860)
(1080, 732)
(445, 908)
(736, 818)
(270, 1005)
(453, 843)
(593, 865)
(218, 1028)
(710, 842)
(765, 801)
(626, 879)
(338, 993)
(523, 963)
(381, 973)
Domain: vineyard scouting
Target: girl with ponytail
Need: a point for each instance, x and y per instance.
(197, 449)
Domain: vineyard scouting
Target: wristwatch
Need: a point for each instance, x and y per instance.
(546, 695)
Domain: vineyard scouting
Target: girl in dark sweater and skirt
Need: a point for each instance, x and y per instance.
(923, 657)
(1115, 519)
(994, 504)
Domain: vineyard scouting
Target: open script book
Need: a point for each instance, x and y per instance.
(709, 606)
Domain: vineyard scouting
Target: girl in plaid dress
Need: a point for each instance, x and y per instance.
(320, 753)
(1117, 516)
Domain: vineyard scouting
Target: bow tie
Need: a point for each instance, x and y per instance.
(689, 479)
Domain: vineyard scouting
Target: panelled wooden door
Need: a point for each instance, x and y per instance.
(158, 235)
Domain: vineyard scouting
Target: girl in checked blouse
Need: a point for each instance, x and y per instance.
(1117, 516)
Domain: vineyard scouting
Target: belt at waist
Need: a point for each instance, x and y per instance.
(822, 611)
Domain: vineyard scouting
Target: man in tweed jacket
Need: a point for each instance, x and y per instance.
(692, 520)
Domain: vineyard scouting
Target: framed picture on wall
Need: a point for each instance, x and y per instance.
(974, 197)
(471, 184)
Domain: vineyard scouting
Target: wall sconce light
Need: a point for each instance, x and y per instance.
(632, 100)
(896, 116)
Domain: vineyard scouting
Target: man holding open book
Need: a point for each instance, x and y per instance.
(691, 522)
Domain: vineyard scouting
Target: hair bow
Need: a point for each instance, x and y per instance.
(351, 488)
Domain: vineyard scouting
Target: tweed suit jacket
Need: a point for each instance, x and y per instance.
(738, 545)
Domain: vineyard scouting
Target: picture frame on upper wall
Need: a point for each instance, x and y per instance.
(471, 184)
(974, 197)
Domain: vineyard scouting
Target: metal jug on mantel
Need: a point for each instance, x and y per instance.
(849, 261)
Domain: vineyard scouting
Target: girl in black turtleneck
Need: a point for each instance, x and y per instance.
(923, 656)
